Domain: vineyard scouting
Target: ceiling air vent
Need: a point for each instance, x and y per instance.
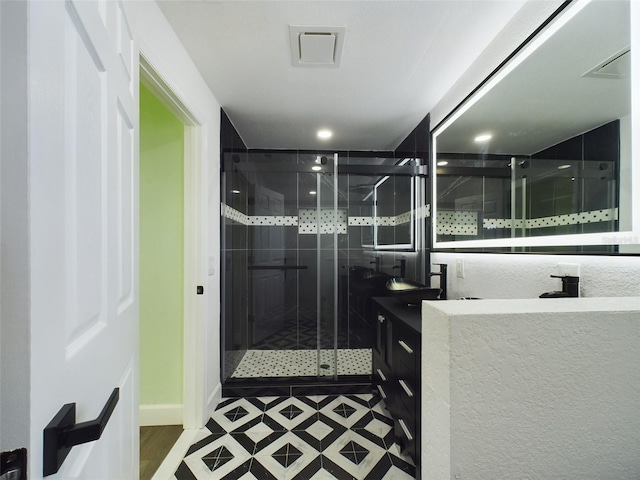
(313, 46)
(616, 66)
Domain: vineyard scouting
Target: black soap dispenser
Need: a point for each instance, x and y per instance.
(570, 288)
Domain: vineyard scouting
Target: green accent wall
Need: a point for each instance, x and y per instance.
(161, 252)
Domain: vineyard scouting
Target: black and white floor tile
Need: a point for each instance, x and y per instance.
(287, 363)
(344, 437)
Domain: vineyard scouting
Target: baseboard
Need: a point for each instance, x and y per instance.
(152, 415)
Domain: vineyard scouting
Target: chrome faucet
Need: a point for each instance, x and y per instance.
(443, 279)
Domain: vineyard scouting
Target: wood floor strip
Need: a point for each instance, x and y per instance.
(155, 444)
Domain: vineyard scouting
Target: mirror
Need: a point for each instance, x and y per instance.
(540, 155)
(393, 213)
(389, 203)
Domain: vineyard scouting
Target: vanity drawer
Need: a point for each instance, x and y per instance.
(381, 380)
(406, 352)
(405, 433)
(407, 392)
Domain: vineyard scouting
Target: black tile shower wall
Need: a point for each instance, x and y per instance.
(416, 145)
(423, 139)
(600, 144)
(230, 140)
(598, 152)
(603, 143)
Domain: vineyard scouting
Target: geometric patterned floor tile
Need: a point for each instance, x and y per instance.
(287, 455)
(199, 463)
(217, 458)
(236, 414)
(351, 451)
(319, 437)
(355, 454)
(271, 459)
(280, 412)
(345, 409)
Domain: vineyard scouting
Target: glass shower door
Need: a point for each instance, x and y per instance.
(300, 231)
(330, 222)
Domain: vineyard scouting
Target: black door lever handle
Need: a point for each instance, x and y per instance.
(63, 432)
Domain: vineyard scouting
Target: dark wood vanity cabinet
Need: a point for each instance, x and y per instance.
(396, 369)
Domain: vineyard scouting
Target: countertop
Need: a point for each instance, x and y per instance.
(536, 305)
(410, 315)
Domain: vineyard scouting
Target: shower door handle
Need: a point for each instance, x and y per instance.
(278, 267)
(283, 267)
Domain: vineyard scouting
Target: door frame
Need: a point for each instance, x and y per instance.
(194, 401)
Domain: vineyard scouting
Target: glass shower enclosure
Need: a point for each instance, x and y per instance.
(297, 227)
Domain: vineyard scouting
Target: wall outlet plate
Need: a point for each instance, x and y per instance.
(460, 267)
(568, 269)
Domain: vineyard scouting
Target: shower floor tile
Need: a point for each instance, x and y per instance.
(302, 363)
(298, 438)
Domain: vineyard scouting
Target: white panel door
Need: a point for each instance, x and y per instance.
(83, 165)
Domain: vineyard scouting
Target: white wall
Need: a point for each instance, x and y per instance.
(548, 394)
(170, 61)
(626, 162)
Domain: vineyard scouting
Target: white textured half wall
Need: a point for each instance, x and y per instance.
(531, 389)
(527, 276)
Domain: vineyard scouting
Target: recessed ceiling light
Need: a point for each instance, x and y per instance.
(442, 163)
(316, 168)
(312, 192)
(482, 138)
(235, 191)
(324, 134)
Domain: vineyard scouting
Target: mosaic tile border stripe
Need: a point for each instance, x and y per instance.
(307, 222)
(458, 222)
(462, 222)
(593, 216)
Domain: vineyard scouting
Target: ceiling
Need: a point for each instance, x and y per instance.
(399, 59)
